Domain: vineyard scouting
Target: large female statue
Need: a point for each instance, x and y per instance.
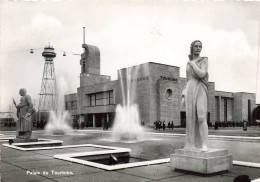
(195, 99)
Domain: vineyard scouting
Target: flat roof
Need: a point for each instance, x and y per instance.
(164, 64)
(152, 63)
(71, 94)
(224, 91)
(245, 92)
(236, 92)
(185, 78)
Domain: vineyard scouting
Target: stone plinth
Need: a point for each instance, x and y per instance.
(20, 140)
(58, 132)
(212, 161)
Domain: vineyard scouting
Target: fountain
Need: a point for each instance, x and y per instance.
(127, 122)
(57, 123)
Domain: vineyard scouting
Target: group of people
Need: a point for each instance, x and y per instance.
(75, 124)
(231, 124)
(161, 125)
(41, 124)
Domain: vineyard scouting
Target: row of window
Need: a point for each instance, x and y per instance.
(140, 79)
(168, 78)
(71, 105)
(226, 109)
(96, 99)
(101, 99)
(147, 78)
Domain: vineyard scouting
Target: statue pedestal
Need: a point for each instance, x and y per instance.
(23, 140)
(212, 161)
(58, 132)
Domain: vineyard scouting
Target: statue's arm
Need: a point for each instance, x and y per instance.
(201, 72)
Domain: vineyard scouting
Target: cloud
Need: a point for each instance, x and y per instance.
(39, 30)
(43, 22)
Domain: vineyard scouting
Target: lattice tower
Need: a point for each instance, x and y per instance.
(48, 93)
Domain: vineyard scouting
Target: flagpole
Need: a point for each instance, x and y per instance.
(257, 65)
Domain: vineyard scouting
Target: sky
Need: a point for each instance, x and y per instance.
(128, 33)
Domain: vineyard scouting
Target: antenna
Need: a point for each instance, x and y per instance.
(83, 35)
(257, 63)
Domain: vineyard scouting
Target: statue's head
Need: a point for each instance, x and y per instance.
(22, 92)
(195, 47)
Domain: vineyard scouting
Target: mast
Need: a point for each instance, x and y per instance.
(257, 66)
(83, 35)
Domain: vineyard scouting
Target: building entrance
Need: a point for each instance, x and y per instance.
(183, 119)
(99, 120)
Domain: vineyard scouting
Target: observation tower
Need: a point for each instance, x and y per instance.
(48, 93)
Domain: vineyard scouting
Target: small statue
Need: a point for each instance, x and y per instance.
(24, 113)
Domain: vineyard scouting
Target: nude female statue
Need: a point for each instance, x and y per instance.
(195, 99)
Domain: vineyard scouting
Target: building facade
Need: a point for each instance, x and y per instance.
(157, 90)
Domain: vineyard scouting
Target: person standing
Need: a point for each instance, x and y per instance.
(244, 125)
(195, 99)
(216, 125)
(172, 125)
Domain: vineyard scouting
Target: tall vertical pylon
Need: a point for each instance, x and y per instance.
(48, 93)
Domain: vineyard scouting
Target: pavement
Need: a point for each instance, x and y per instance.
(26, 166)
(227, 131)
(224, 131)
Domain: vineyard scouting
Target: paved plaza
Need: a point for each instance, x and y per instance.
(40, 165)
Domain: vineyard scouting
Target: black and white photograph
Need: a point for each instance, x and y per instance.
(129, 90)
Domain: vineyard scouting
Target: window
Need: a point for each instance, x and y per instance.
(66, 106)
(83, 67)
(71, 105)
(92, 100)
(102, 98)
(74, 104)
(169, 93)
(217, 107)
(111, 97)
(225, 109)
(249, 111)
